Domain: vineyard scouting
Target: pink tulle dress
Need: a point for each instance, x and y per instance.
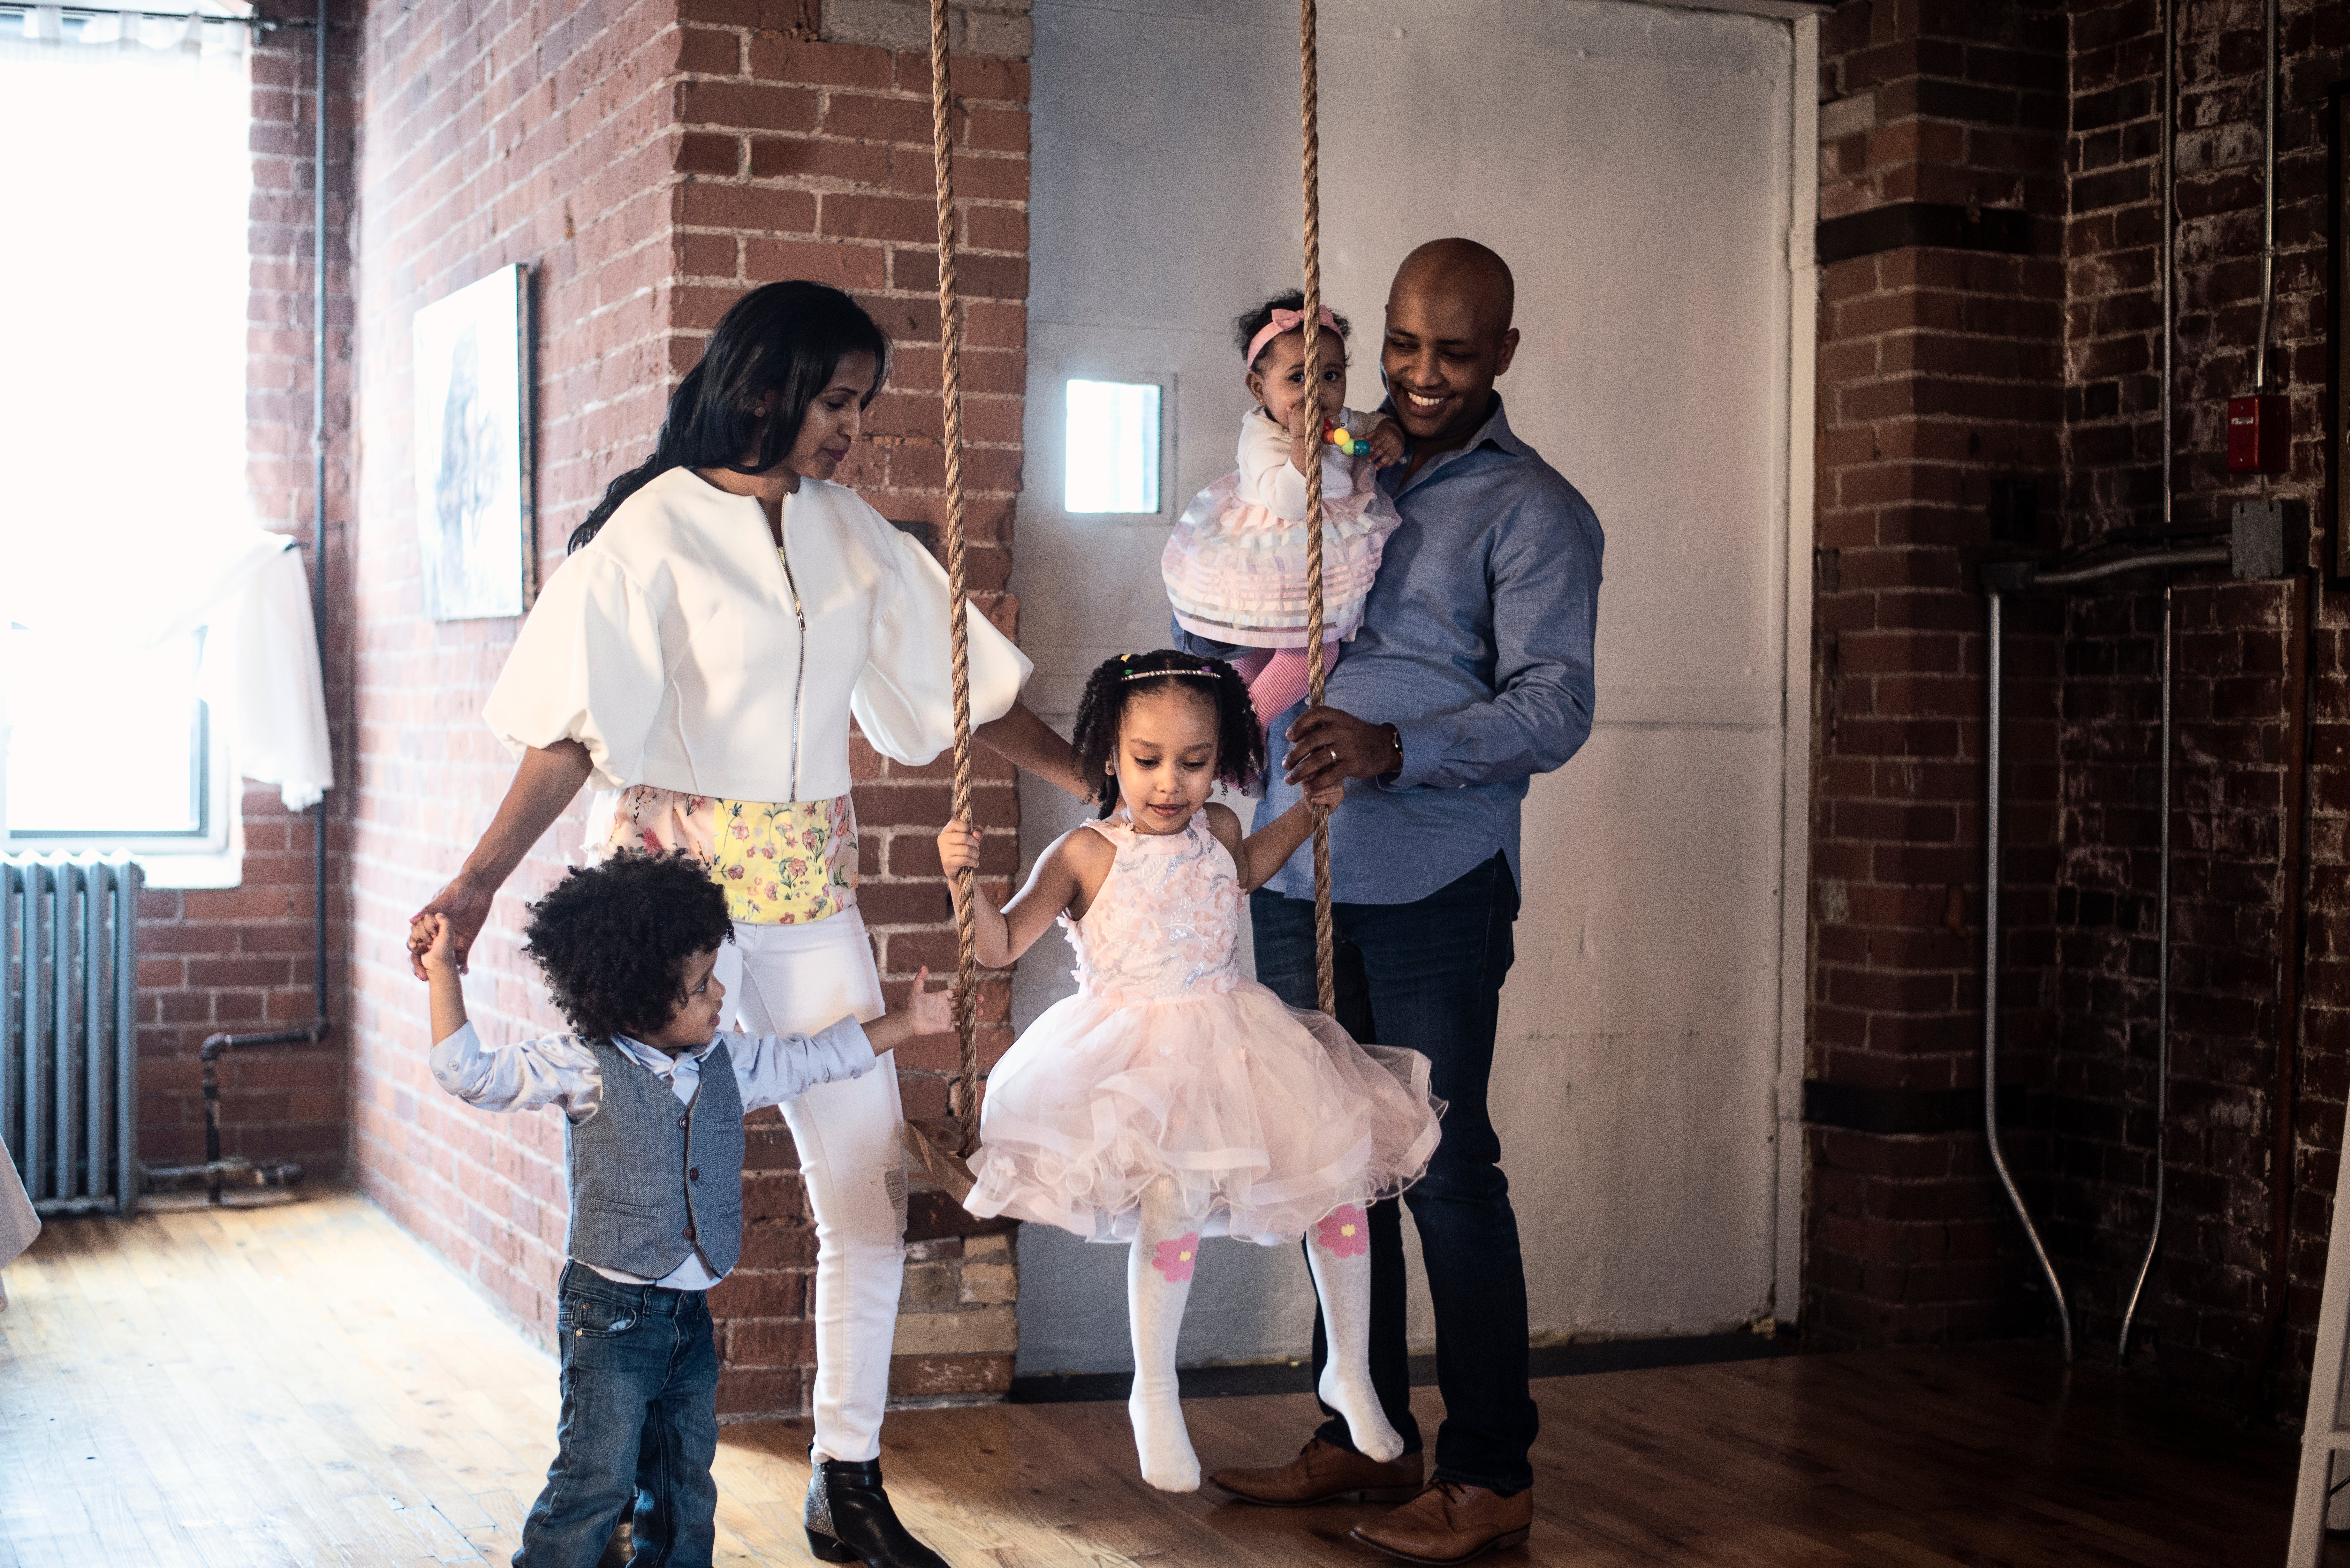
(1235, 564)
(1169, 1062)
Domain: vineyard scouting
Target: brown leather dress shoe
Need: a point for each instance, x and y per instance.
(1323, 1473)
(1449, 1522)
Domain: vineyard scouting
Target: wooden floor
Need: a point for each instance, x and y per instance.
(307, 1386)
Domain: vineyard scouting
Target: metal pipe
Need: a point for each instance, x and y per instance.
(209, 1054)
(2162, 1004)
(2167, 270)
(2166, 259)
(318, 476)
(95, 12)
(1991, 986)
(2268, 199)
(2200, 555)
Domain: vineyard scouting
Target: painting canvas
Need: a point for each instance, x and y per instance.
(472, 450)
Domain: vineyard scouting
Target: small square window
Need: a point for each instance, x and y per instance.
(1112, 451)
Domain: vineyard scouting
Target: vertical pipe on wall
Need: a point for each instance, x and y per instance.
(1990, 981)
(2162, 982)
(2267, 196)
(319, 476)
(2165, 262)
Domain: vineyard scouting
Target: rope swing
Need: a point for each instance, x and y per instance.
(944, 1145)
(1325, 984)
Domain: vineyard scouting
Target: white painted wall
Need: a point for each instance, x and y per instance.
(1634, 166)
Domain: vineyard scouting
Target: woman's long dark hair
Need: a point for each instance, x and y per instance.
(781, 337)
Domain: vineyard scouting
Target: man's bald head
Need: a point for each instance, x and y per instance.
(1447, 337)
(1464, 270)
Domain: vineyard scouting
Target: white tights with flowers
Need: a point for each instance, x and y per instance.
(1157, 1283)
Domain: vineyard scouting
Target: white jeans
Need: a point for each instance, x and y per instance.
(787, 979)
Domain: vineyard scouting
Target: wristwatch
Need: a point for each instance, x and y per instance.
(1395, 739)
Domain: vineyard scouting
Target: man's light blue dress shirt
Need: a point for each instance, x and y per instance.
(1476, 645)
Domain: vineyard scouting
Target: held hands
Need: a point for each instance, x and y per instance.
(439, 955)
(458, 909)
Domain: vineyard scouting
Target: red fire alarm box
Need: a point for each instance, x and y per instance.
(2259, 439)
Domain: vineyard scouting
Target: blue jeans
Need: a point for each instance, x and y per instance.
(1427, 975)
(639, 1431)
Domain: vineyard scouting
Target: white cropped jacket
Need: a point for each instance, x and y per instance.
(685, 652)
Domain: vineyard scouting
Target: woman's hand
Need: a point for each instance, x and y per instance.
(1386, 438)
(451, 917)
(958, 847)
(543, 785)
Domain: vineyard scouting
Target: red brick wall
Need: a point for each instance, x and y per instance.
(1944, 368)
(2205, 1323)
(650, 163)
(241, 960)
(1938, 376)
(802, 158)
(489, 135)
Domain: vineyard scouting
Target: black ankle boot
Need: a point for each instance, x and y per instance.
(849, 1519)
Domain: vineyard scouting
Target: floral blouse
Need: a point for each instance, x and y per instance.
(781, 863)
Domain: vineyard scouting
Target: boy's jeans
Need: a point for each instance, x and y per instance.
(639, 1427)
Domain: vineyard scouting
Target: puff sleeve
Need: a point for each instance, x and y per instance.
(904, 698)
(587, 668)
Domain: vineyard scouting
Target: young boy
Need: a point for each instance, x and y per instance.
(653, 1095)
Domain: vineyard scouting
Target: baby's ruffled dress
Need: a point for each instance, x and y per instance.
(1235, 564)
(1169, 1062)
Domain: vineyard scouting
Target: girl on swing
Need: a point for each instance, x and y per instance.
(1171, 1097)
(724, 611)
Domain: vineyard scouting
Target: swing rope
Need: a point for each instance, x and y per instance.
(963, 1098)
(1325, 980)
(963, 1101)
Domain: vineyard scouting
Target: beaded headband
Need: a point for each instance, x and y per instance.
(1202, 672)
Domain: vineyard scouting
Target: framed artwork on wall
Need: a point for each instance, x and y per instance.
(474, 492)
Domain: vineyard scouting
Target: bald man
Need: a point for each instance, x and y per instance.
(1471, 674)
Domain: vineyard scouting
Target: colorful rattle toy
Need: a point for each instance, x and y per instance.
(1336, 434)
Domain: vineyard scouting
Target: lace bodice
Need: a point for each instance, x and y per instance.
(1166, 922)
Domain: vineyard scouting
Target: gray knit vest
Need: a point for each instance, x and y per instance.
(652, 1180)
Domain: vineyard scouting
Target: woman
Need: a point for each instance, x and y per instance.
(725, 609)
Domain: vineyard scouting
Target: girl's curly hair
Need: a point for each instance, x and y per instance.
(1117, 682)
(1256, 318)
(612, 939)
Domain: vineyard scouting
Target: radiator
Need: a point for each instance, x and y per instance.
(69, 1030)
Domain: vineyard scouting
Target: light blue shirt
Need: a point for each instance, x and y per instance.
(1476, 645)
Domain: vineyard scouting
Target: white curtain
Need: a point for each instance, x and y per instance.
(124, 282)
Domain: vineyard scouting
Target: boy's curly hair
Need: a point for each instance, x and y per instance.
(612, 939)
(1256, 318)
(1116, 682)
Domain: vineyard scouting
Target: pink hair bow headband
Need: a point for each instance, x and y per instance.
(1283, 321)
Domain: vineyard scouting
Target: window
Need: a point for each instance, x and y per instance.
(168, 802)
(128, 274)
(1112, 447)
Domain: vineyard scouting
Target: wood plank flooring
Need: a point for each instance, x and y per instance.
(308, 1385)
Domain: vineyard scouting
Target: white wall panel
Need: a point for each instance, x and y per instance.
(1633, 164)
